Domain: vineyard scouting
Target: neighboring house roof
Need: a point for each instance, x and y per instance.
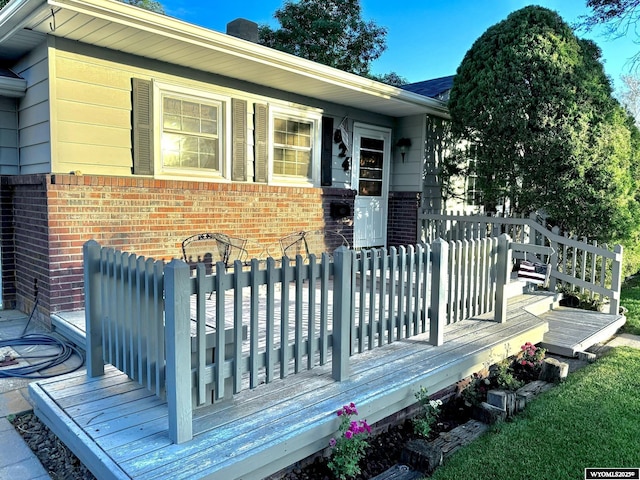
(11, 85)
(436, 88)
(117, 26)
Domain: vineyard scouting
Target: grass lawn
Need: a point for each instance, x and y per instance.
(591, 420)
(630, 298)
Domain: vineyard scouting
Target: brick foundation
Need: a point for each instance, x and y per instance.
(47, 218)
(403, 218)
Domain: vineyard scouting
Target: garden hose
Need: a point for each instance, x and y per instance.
(38, 369)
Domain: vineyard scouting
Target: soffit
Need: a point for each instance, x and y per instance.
(117, 26)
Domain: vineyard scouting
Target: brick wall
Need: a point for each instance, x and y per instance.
(25, 244)
(53, 215)
(403, 218)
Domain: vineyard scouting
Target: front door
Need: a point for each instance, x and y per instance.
(371, 158)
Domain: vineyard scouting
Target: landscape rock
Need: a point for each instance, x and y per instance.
(554, 370)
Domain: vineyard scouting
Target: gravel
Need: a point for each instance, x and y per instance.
(59, 462)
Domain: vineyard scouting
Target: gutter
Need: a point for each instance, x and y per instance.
(12, 87)
(15, 14)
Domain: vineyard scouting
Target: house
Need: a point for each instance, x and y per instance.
(137, 130)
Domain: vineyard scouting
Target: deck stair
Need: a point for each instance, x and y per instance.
(571, 330)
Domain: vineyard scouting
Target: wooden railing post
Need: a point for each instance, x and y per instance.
(342, 305)
(616, 280)
(502, 276)
(439, 283)
(93, 308)
(178, 347)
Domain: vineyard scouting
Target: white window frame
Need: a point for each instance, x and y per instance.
(299, 115)
(224, 136)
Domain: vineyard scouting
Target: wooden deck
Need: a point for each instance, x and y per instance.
(572, 330)
(119, 429)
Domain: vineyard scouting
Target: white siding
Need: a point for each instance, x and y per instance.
(407, 176)
(8, 136)
(91, 107)
(33, 113)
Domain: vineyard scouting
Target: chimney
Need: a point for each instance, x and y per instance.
(244, 29)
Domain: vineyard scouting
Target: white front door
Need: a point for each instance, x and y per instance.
(371, 158)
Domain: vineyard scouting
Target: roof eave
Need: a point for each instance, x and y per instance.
(30, 13)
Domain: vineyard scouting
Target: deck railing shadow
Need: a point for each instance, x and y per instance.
(278, 317)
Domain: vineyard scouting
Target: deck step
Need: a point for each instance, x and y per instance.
(71, 326)
(572, 330)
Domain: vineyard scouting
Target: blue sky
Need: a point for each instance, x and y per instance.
(425, 38)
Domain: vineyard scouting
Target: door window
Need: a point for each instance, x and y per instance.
(370, 181)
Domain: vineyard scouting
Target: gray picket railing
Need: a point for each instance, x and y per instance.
(159, 324)
(576, 264)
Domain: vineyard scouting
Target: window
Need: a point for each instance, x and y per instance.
(371, 167)
(190, 134)
(472, 193)
(294, 149)
(193, 132)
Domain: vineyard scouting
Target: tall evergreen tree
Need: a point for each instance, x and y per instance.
(548, 135)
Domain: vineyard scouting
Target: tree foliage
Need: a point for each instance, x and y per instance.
(390, 79)
(533, 101)
(331, 32)
(620, 16)
(150, 5)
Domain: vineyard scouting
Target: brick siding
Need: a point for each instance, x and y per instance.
(403, 218)
(47, 219)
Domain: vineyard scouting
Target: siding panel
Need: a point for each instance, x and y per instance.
(92, 71)
(34, 158)
(34, 113)
(407, 176)
(93, 114)
(35, 134)
(92, 156)
(80, 133)
(83, 92)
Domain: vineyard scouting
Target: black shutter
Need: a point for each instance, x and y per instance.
(142, 121)
(326, 153)
(261, 133)
(239, 140)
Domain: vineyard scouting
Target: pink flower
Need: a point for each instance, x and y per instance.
(348, 434)
(332, 442)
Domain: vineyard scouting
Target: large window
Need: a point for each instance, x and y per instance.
(190, 134)
(294, 147)
(193, 132)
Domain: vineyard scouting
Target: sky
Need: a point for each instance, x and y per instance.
(425, 38)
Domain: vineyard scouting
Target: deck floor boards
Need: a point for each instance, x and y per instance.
(121, 430)
(121, 421)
